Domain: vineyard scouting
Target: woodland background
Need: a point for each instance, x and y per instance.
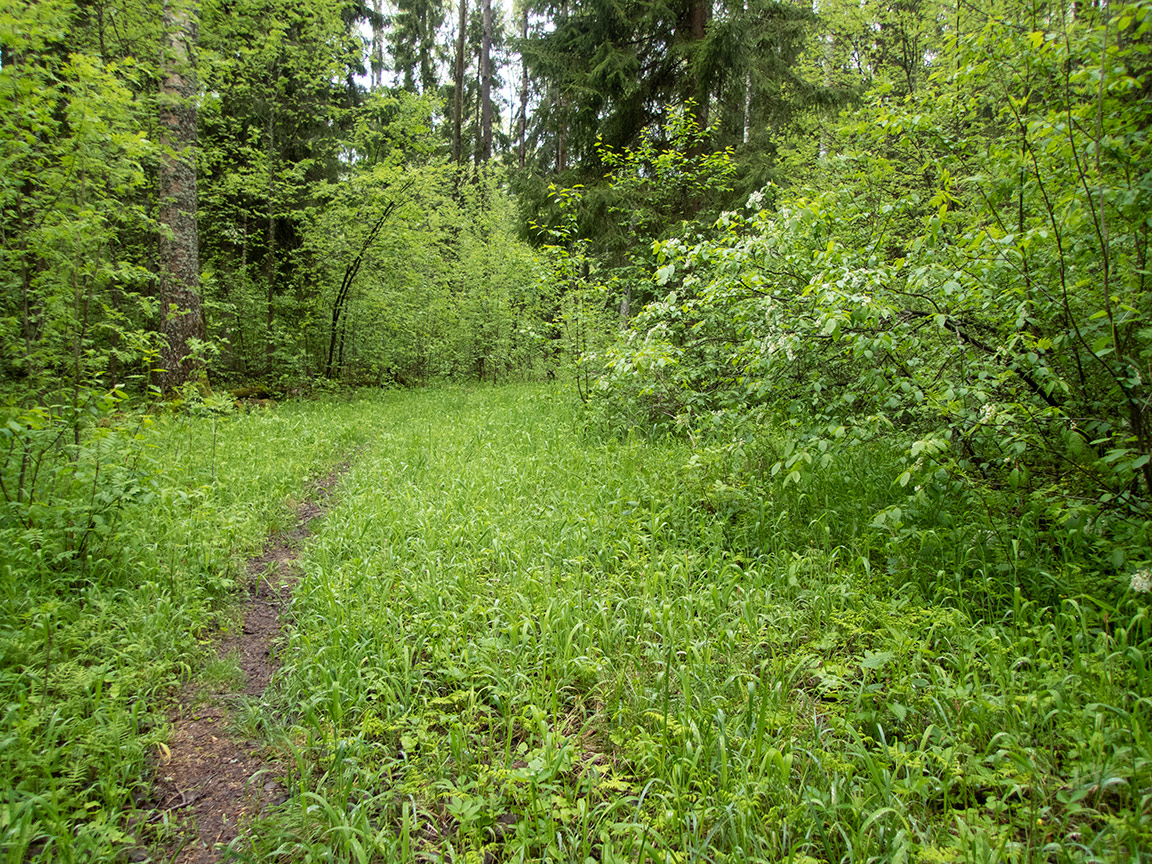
(886, 260)
(921, 217)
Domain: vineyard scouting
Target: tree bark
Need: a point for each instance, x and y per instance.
(377, 58)
(699, 87)
(458, 111)
(747, 108)
(523, 81)
(562, 135)
(270, 259)
(701, 13)
(562, 113)
(486, 85)
(181, 316)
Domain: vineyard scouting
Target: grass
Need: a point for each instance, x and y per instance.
(92, 646)
(517, 640)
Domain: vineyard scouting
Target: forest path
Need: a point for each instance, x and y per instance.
(211, 782)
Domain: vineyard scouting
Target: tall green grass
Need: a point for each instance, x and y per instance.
(91, 648)
(517, 640)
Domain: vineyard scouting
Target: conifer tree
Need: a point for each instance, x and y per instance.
(458, 94)
(523, 122)
(376, 55)
(416, 49)
(611, 68)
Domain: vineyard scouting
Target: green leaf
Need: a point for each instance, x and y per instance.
(877, 660)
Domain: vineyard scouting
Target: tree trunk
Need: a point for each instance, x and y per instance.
(701, 13)
(458, 113)
(523, 82)
(181, 316)
(270, 260)
(746, 133)
(477, 138)
(427, 50)
(377, 61)
(747, 108)
(562, 113)
(486, 85)
(243, 282)
(562, 136)
(828, 59)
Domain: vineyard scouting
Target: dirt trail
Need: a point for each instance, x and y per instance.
(212, 784)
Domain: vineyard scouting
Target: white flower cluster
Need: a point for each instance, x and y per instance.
(756, 200)
(987, 413)
(780, 343)
(1141, 581)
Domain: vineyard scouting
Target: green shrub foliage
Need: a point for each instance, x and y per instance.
(969, 288)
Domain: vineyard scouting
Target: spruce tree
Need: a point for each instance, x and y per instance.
(416, 49)
(610, 69)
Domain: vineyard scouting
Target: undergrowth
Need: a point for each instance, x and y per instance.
(519, 640)
(114, 563)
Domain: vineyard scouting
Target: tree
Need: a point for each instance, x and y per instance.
(76, 302)
(458, 92)
(181, 317)
(523, 121)
(486, 84)
(610, 69)
(414, 37)
(376, 54)
(280, 88)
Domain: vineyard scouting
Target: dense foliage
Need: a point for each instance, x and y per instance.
(966, 282)
(290, 146)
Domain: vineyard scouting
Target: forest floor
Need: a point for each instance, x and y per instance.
(91, 658)
(516, 636)
(211, 781)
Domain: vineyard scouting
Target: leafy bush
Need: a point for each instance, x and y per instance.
(985, 317)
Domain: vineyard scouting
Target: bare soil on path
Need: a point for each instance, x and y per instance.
(210, 784)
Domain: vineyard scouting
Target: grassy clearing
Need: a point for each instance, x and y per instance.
(516, 641)
(91, 643)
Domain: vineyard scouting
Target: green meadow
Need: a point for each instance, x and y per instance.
(520, 638)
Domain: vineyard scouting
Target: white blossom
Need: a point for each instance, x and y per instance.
(1141, 581)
